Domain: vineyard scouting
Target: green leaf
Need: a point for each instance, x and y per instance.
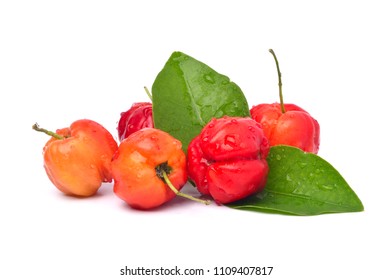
(187, 93)
(301, 183)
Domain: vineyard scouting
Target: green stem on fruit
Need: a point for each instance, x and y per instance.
(148, 93)
(177, 192)
(280, 82)
(50, 133)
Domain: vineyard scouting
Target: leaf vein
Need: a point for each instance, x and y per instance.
(307, 198)
(195, 108)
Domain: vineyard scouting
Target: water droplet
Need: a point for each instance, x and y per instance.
(264, 124)
(209, 79)
(326, 187)
(251, 128)
(205, 139)
(278, 157)
(302, 164)
(234, 121)
(211, 125)
(225, 82)
(230, 140)
(288, 178)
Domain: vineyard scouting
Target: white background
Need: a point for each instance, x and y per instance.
(65, 60)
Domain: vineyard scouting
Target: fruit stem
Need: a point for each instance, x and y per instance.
(280, 81)
(148, 93)
(50, 133)
(177, 192)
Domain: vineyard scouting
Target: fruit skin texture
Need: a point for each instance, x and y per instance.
(227, 160)
(78, 164)
(134, 168)
(137, 117)
(295, 127)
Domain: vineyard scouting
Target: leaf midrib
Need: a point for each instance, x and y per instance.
(304, 197)
(193, 102)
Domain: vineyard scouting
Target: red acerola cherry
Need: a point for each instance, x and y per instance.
(287, 124)
(295, 127)
(227, 160)
(137, 117)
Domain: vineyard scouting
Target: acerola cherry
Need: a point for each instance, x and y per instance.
(287, 124)
(227, 160)
(149, 169)
(77, 158)
(137, 117)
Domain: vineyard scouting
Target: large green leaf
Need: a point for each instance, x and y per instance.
(301, 184)
(187, 93)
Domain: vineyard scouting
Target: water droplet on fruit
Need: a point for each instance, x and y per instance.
(205, 139)
(230, 140)
(251, 128)
(264, 125)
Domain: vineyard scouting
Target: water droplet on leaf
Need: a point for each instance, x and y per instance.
(326, 187)
(209, 79)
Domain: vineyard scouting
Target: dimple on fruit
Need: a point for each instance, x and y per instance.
(228, 159)
(149, 169)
